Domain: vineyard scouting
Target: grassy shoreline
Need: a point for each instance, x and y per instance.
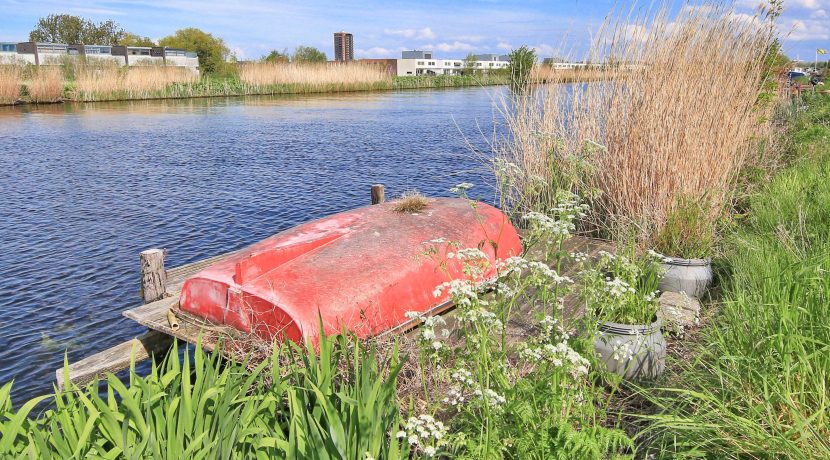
(232, 87)
(758, 387)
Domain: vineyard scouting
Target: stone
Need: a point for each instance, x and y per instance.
(678, 312)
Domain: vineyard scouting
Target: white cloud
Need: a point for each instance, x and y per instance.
(788, 4)
(806, 29)
(376, 52)
(421, 34)
(806, 4)
(544, 50)
(239, 52)
(468, 38)
(450, 47)
(504, 46)
(819, 14)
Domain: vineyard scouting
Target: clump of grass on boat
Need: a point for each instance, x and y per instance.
(410, 202)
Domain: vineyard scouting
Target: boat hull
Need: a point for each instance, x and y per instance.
(360, 270)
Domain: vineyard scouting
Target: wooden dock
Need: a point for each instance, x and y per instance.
(165, 322)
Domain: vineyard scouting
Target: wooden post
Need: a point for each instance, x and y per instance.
(153, 275)
(377, 194)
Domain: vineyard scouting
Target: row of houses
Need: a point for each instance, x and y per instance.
(37, 53)
(417, 62)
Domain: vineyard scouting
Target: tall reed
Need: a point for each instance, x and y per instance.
(760, 386)
(672, 117)
(107, 82)
(324, 76)
(45, 84)
(9, 84)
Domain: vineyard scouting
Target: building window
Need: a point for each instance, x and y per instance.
(431, 63)
(420, 62)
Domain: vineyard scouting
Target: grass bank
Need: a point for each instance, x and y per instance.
(89, 83)
(760, 384)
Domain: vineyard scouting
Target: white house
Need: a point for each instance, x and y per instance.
(417, 62)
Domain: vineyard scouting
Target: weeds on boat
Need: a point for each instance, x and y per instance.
(410, 202)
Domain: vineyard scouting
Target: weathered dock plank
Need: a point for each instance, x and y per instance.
(116, 358)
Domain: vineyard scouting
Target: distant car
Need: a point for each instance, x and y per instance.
(793, 75)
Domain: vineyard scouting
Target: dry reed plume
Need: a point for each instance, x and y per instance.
(9, 84)
(113, 82)
(672, 117)
(338, 76)
(45, 84)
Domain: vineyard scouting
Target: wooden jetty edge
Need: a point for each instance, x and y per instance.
(160, 289)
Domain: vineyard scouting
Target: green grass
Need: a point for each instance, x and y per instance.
(297, 404)
(216, 86)
(760, 387)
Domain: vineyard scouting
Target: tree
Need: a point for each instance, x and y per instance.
(522, 61)
(131, 39)
(308, 54)
(276, 56)
(211, 50)
(470, 64)
(66, 28)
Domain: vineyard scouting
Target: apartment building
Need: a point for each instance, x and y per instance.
(343, 46)
(418, 62)
(54, 54)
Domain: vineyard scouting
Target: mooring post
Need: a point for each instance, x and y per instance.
(153, 275)
(377, 194)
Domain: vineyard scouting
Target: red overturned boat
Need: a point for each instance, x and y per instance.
(361, 270)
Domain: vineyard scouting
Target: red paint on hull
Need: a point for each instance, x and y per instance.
(361, 270)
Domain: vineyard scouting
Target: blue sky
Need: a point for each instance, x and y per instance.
(383, 28)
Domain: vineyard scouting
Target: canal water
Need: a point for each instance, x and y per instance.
(84, 188)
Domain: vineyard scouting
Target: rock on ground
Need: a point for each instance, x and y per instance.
(678, 312)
